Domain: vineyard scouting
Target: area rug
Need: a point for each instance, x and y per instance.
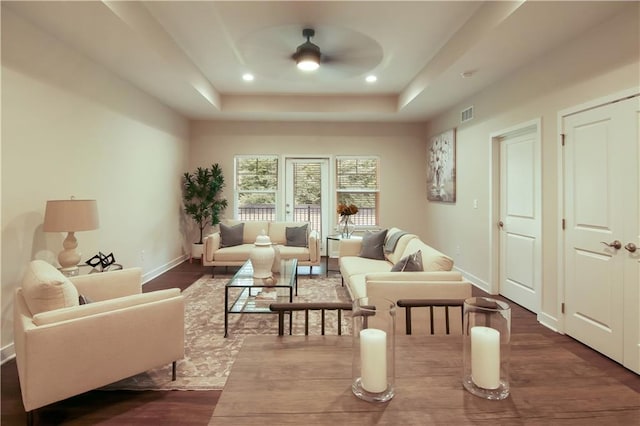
(208, 354)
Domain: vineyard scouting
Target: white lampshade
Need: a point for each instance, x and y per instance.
(70, 215)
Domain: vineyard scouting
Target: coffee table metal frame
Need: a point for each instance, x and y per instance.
(246, 302)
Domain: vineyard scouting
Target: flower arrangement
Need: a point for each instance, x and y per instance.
(347, 210)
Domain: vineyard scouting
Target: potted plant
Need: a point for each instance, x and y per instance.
(201, 195)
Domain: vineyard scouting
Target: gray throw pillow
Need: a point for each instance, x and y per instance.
(297, 236)
(413, 262)
(373, 245)
(231, 235)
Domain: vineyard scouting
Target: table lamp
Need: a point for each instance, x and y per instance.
(70, 216)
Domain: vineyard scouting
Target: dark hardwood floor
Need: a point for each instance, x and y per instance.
(196, 407)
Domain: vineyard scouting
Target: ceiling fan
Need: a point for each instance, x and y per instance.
(307, 55)
(337, 53)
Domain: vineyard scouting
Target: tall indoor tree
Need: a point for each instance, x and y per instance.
(201, 196)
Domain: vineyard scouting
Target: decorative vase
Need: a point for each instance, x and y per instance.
(275, 267)
(486, 347)
(346, 226)
(262, 256)
(373, 350)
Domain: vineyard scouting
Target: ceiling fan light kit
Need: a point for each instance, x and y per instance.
(307, 55)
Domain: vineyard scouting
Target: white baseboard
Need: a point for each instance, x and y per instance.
(7, 353)
(549, 322)
(477, 282)
(148, 276)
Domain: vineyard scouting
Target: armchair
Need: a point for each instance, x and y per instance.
(65, 351)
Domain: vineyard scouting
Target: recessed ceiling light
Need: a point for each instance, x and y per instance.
(371, 79)
(247, 77)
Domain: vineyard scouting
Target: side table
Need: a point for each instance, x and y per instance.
(334, 237)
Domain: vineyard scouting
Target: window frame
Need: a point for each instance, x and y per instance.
(375, 191)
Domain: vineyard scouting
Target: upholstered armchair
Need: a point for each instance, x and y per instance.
(64, 348)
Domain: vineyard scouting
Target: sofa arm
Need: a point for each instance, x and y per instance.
(110, 284)
(314, 247)
(350, 247)
(211, 245)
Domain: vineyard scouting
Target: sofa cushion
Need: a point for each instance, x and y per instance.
(354, 265)
(231, 235)
(234, 254)
(45, 288)
(432, 259)
(413, 262)
(373, 245)
(300, 253)
(278, 231)
(297, 236)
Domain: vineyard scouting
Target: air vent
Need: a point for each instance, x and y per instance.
(466, 114)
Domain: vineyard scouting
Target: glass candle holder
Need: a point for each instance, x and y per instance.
(486, 347)
(374, 324)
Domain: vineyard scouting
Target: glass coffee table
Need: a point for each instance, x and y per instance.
(248, 295)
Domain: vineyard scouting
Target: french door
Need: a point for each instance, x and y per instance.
(601, 198)
(307, 193)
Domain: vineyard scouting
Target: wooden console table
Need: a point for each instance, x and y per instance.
(307, 380)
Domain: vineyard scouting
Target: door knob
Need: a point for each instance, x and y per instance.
(630, 247)
(615, 244)
(501, 224)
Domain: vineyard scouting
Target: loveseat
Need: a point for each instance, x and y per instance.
(391, 269)
(232, 244)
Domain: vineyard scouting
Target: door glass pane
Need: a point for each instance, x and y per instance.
(307, 194)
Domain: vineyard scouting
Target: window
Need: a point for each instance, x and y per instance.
(357, 183)
(256, 187)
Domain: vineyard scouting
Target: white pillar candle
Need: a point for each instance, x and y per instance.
(485, 357)
(373, 360)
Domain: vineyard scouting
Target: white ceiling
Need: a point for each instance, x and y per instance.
(191, 55)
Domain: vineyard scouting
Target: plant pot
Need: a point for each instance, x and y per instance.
(197, 250)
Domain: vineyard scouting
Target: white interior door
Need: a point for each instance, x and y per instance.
(520, 222)
(601, 209)
(307, 192)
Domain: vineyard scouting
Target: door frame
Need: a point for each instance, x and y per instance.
(535, 126)
(558, 322)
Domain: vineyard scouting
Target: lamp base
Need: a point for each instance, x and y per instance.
(70, 272)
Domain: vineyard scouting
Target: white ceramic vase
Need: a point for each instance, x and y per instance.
(275, 267)
(262, 256)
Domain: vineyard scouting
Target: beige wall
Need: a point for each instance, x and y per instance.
(601, 62)
(401, 148)
(71, 128)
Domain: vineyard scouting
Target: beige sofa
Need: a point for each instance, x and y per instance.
(64, 348)
(366, 277)
(215, 255)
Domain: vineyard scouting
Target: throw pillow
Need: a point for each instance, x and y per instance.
(297, 236)
(45, 288)
(373, 245)
(231, 235)
(413, 262)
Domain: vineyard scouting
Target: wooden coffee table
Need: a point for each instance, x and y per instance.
(246, 294)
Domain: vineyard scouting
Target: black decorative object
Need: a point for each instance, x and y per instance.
(101, 262)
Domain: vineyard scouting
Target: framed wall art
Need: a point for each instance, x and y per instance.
(441, 167)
